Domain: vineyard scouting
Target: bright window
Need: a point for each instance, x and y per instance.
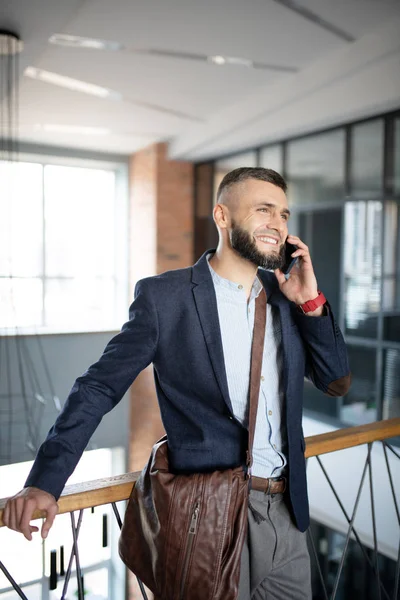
(63, 239)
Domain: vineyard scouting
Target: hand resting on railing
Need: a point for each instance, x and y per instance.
(20, 508)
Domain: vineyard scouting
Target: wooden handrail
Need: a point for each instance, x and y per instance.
(351, 436)
(114, 489)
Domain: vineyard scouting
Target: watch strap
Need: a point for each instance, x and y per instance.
(313, 304)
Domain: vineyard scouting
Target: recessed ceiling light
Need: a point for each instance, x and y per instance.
(217, 59)
(75, 41)
(75, 85)
(242, 62)
(73, 129)
(230, 60)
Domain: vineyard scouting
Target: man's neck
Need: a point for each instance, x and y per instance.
(229, 265)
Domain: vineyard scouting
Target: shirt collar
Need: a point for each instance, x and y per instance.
(227, 284)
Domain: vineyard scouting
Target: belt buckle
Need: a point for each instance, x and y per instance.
(283, 478)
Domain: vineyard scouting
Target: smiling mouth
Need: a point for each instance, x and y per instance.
(268, 240)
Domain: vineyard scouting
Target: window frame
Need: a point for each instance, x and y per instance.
(120, 166)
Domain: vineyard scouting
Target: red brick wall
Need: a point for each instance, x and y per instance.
(174, 213)
(161, 238)
(143, 206)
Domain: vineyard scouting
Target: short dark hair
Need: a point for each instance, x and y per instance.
(244, 173)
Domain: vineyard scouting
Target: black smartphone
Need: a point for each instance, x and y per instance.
(289, 260)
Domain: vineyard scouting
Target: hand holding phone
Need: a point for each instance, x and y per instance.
(289, 260)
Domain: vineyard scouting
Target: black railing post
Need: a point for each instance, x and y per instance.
(353, 516)
(81, 595)
(119, 521)
(310, 537)
(371, 490)
(13, 582)
(53, 570)
(396, 506)
(365, 554)
(71, 558)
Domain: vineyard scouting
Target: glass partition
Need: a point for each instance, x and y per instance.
(271, 157)
(315, 168)
(366, 166)
(362, 267)
(396, 180)
(359, 405)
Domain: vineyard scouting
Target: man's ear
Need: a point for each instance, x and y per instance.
(221, 216)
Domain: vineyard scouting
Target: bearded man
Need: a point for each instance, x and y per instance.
(196, 326)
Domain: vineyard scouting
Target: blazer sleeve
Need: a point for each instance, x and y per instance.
(327, 364)
(95, 393)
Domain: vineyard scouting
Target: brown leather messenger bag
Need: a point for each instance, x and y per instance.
(183, 534)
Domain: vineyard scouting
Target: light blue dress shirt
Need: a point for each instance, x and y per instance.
(236, 319)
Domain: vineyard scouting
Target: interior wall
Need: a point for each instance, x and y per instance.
(67, 356)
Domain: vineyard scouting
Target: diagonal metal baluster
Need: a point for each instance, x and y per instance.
(71, 558)
(397, 574)
(335, 588)
(117, 515)
(396, 506)
(392, 449)
(371, 490)
(13, 582)
(310, 537)
(81, 595)
(366, 557)
(119, 521)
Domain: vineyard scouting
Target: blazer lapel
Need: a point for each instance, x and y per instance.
(206, 304)
(207, 309)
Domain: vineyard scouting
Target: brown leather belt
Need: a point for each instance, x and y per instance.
(271, 485)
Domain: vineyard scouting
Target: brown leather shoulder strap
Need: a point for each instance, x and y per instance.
(257, 350)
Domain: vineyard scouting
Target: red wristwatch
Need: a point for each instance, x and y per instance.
(313, 304)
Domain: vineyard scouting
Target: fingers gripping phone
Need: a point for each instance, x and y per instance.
(289, 260)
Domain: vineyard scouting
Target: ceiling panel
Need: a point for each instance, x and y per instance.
(195, 88)
(260, 30)
(256, 29)
(358, 17)
(55, 105)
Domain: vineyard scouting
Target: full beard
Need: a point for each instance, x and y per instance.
(246, 247)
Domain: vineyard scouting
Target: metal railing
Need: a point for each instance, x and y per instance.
(114, 489)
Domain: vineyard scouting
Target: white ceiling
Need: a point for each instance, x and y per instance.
(204, 109)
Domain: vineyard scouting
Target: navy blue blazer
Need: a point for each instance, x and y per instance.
(174, 325)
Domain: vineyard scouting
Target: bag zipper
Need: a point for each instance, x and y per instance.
(189, 544)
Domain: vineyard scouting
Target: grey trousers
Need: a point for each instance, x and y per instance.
(275, 563)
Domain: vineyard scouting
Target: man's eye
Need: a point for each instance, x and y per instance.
(262, 209)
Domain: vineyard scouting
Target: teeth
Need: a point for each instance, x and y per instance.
(267, 239)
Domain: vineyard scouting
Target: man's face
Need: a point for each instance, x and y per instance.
(259, 223)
